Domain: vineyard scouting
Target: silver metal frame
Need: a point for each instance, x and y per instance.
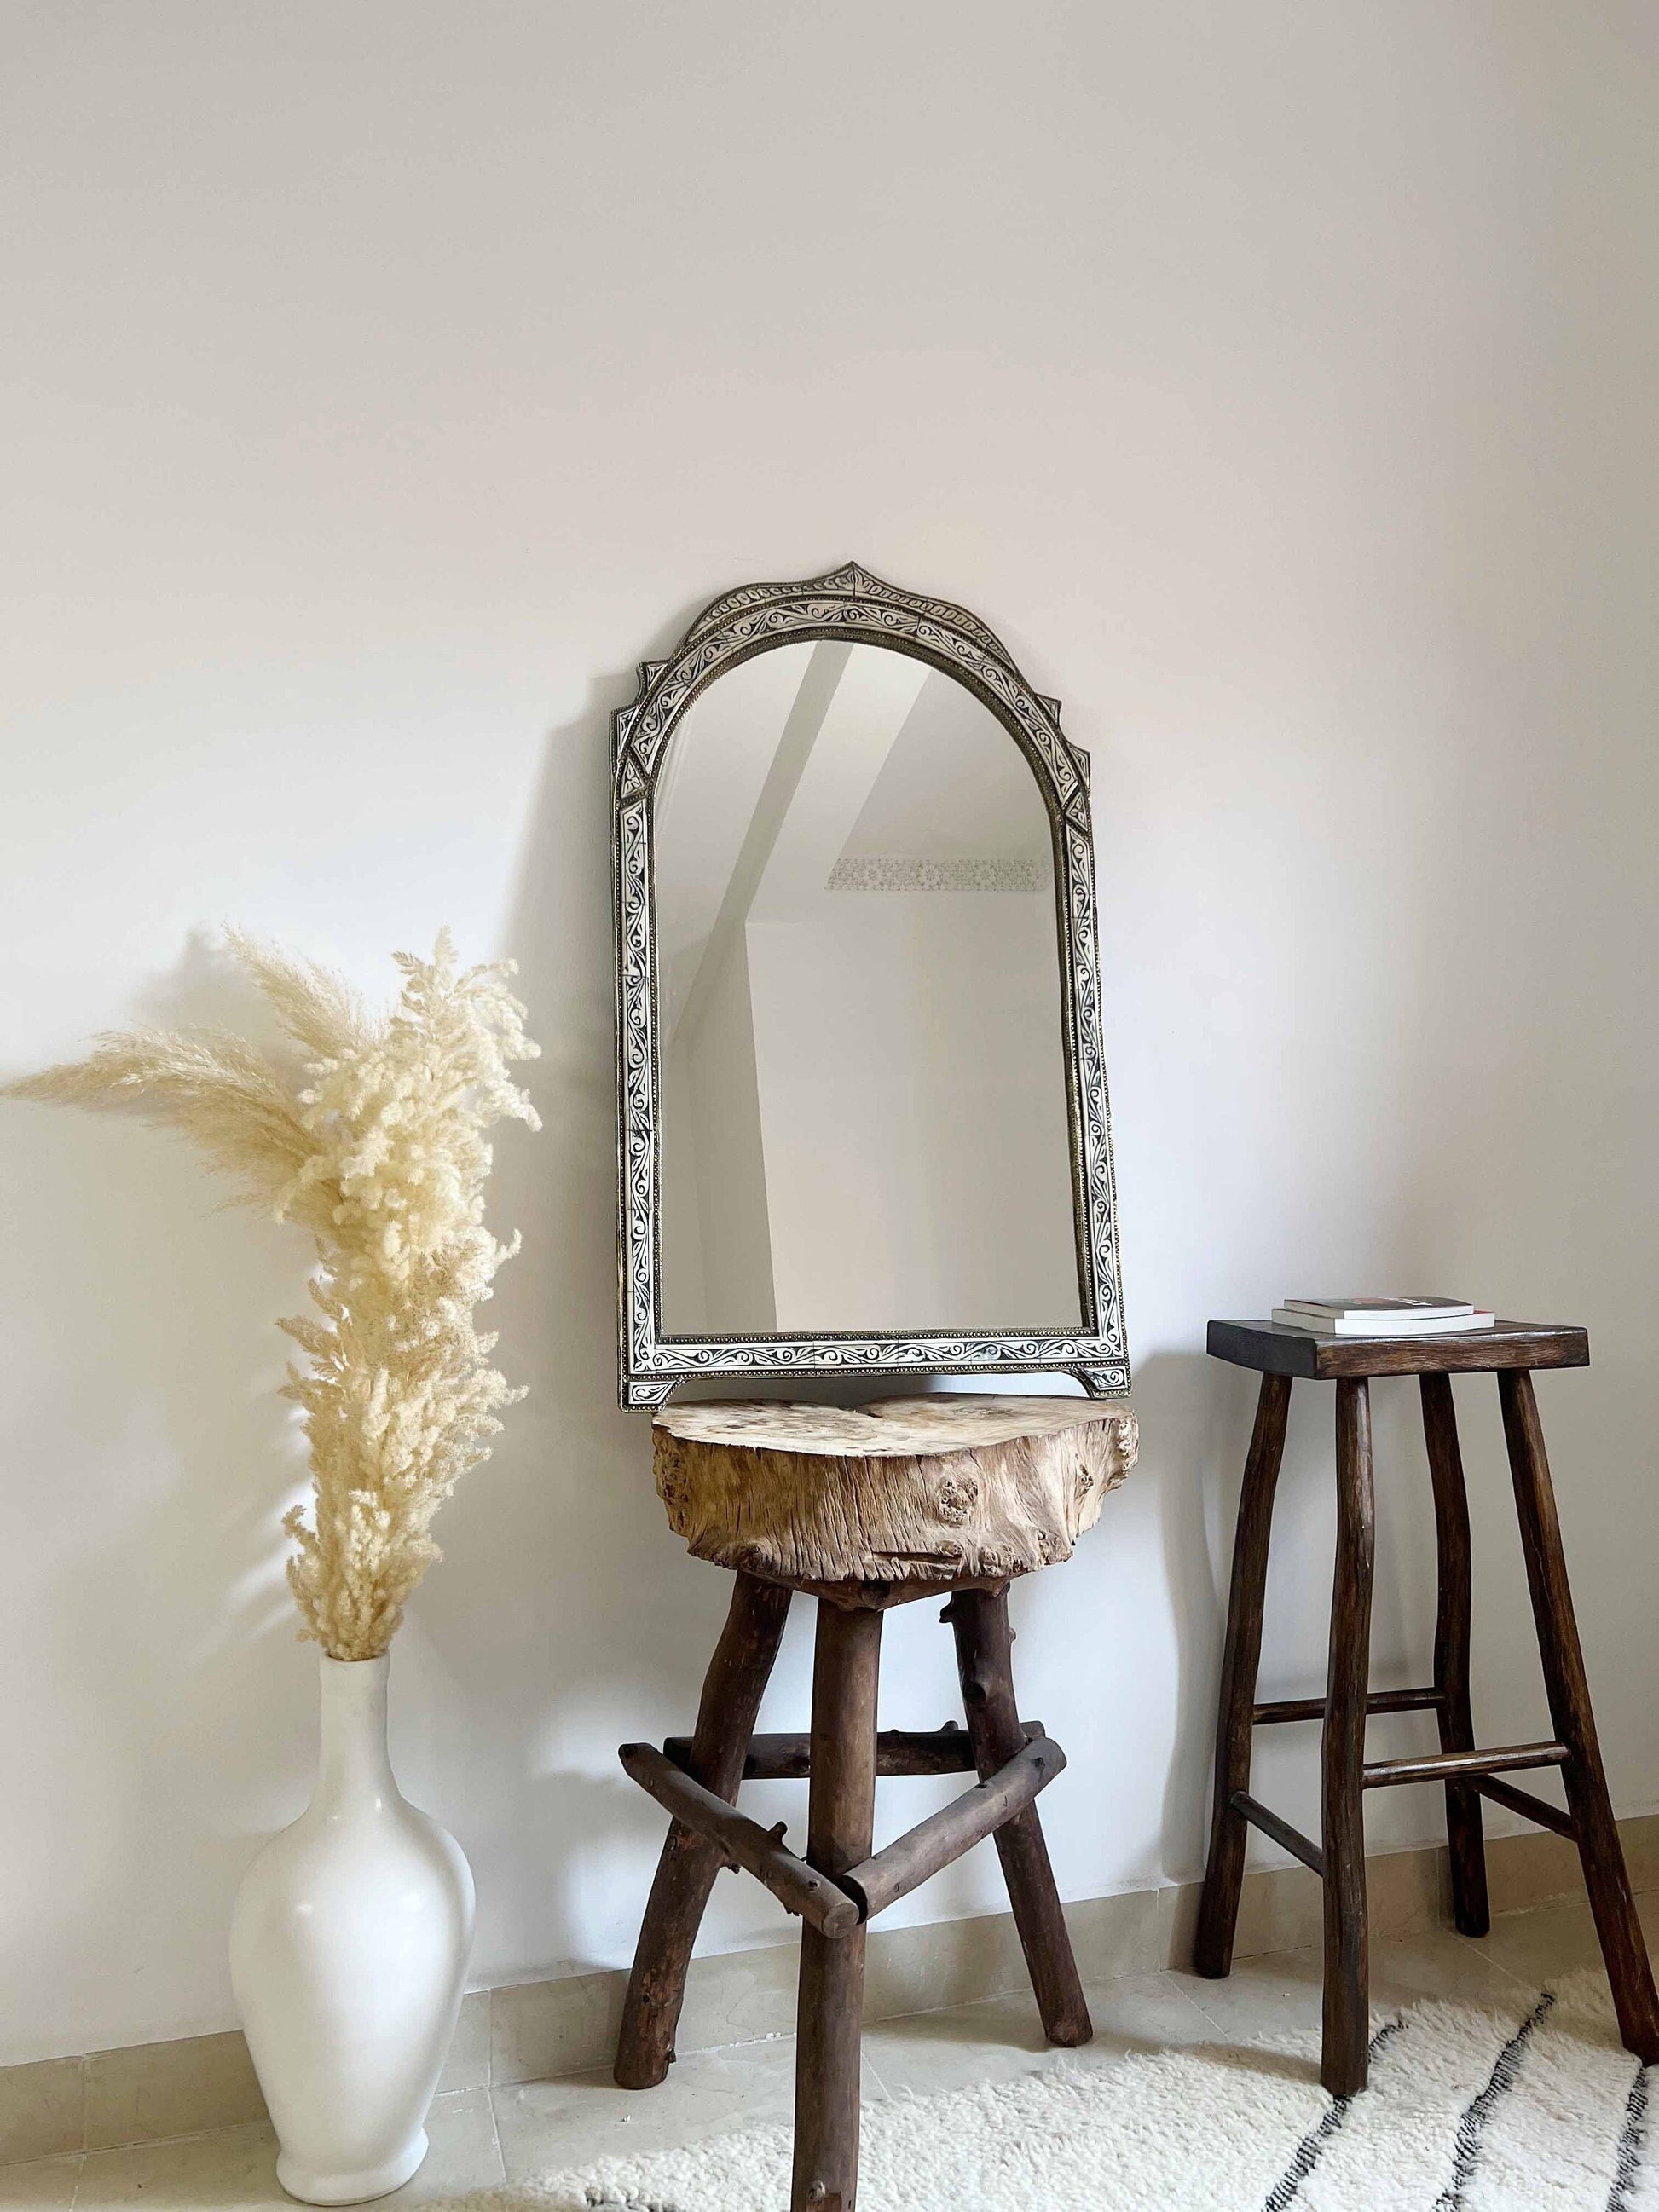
(853, 606)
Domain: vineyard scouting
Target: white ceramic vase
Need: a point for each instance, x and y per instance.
(348, 1951)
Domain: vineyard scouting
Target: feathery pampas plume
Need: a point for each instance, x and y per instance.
(381, 1155)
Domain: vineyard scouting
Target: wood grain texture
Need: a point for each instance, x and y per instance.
(732, 1691)
(1465, 1838)
(1223, 1873)
(1274, 1351)
(948, 1750)
(1433, 1765)
(741, 1842)
(892, 1498)
(829, 2000)
(1376, 1701)
(1538, 1809)
(1287, 1838)
(940, 1840)
(1343, 2056)
(1612, 1905)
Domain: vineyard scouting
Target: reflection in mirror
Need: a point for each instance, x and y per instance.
(863, 1115)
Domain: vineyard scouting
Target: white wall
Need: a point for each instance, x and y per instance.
(381, 383)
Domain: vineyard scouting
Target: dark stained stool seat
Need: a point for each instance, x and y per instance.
(1510, 1350)
(863, 1509)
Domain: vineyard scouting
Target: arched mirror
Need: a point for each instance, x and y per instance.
(862, 1110)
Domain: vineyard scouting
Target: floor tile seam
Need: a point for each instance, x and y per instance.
(871, 2072)
(1210, 2018)
(248, 2128)
(1187, 1998)
(494, 2132)
(1476, 1946)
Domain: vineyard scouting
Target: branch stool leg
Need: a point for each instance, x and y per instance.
(1574, 1721)
(732, 1692)
(1342, 1751)
(984, 1662)
(1470, 1908)
(840, 1823)
(1224, 1875)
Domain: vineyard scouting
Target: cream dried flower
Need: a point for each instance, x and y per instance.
(382, 1155)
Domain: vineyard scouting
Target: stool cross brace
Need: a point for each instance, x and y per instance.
(839, 1884)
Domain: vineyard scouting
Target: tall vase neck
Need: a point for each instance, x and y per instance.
(354, 1765)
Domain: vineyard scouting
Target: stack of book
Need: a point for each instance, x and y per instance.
(1419, 1316)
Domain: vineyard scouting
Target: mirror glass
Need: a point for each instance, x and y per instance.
(863, 1117)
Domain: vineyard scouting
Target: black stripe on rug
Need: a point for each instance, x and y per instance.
(1311, 2148)
(1632, 2141)
(1472, 2128)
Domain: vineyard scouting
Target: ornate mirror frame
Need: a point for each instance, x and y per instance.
(855, 607)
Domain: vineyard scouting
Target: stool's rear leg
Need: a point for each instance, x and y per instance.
(1470, 1908)
(1564, 1681)
(1224, 1875)
(840, 1821)
(1347, 1980)
(732, 1692)
(984, 1661)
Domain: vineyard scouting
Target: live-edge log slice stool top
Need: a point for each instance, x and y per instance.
(877, 1503)
(863, 1508)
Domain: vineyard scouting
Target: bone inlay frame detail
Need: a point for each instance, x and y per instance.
(855, 607)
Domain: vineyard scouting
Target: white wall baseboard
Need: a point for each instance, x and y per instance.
(531, 2031)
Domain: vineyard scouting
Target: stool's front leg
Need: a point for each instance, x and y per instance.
(732, 1692)
(1570, 1715)
(1347, 1985)
(1466, 1843)
(840, 1827)
(1224, 1875)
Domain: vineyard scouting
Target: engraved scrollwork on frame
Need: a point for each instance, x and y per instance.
(851, 603)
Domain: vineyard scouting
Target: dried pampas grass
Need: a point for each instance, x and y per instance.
(379, 1150)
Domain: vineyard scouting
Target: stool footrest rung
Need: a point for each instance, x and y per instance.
(798, 1888)
(1313, 1709)
(898, 1752)
(944, 1836)
(1461, 1765)
(1290, 1839)
(1528, 1807)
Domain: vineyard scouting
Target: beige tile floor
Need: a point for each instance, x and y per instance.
(480, 2136)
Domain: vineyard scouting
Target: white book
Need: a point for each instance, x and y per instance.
(1419, 1308)
(1344, 1325)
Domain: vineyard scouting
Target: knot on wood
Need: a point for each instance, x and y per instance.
(955, 1499)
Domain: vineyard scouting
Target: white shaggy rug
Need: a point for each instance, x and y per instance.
(1532, 2107)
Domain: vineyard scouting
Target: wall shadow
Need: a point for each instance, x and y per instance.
(143, 1403)
(1195, 1415)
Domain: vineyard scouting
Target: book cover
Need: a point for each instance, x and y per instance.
(1410, 1323)
(1419, 1308)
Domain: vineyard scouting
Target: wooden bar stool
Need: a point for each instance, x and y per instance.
(862, 1510)
(1511, 1351)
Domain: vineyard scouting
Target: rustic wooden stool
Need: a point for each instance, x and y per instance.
(1510, 1351)
(862, 1510)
